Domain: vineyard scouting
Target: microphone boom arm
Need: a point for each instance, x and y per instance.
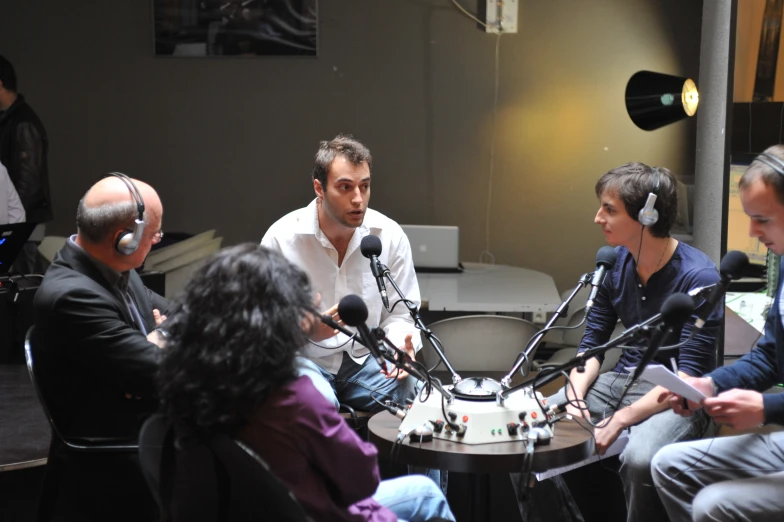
(537, 338)
(579, 360)
(412, 310)
(404, 362)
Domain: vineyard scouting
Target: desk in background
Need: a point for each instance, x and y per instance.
(489, 288)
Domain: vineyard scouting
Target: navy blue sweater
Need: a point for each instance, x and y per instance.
(623, 296)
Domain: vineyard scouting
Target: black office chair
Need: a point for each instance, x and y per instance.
(76, 444)
(357, 419)
(218, 479)
(77, 462)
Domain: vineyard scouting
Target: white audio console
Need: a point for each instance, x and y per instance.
(479, 422)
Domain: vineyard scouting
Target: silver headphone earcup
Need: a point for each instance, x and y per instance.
(126, 244)
(648, 218)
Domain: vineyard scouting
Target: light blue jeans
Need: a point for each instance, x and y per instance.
(354, 384)
(414, 498)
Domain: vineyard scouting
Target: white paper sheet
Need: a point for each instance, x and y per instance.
(614, 449)
(661, 375)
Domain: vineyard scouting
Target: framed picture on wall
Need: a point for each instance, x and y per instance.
(235, 27)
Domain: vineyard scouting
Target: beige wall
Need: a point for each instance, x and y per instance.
(229, 142)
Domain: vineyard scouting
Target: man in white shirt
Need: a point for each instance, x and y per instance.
(11, 209)
(323, 239)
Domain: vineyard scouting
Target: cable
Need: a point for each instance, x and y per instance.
(469, 15)
(486, 253)
(540, 335)
(427, 332)
(352, 338)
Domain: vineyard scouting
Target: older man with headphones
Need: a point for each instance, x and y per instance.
(98, 350)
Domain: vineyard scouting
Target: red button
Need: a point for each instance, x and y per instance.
(465, 418)
(533, 414)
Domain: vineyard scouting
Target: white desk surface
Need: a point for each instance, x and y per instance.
(489, 288)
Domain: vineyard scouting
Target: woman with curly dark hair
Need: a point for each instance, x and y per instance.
(229, 367)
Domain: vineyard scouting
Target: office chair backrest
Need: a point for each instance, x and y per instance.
(32, 353)
(220, 479)
(480, 342)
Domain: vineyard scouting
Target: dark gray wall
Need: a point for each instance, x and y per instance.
(229, 142)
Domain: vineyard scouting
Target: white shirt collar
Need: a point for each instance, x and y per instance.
(309, 223)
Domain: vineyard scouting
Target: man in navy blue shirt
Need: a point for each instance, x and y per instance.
(740, 477)
(638, 208)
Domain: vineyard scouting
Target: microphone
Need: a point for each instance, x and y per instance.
(371, 249)
(329, 321)
(353, 311)
(732, 266)
(675, 310)
(605, 260)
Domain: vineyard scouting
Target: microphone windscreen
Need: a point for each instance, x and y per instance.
(353, 310)
(676, 309)
(606, 256)
(734, 264)
(370, 246)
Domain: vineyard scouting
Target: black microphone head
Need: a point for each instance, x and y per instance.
(733, 265)
(606, 257)
(676, 309)
(353, 310)
(370, 246)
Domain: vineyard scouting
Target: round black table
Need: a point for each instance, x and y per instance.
(24, 430)
(572, 443)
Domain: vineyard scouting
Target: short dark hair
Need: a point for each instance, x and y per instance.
(768, 174)
(233, 337)
(7, 74)
(632, 182)
(97, 224)
(343, 145)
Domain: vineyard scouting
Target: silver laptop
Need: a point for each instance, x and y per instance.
(434, 248)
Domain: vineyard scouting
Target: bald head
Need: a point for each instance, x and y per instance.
(109, 207)
(112, 190)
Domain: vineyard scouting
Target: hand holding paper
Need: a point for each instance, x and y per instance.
(661, 375)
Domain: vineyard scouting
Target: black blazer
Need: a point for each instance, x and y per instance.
(92, 354)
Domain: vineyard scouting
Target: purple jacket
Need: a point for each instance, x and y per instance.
(317, 455)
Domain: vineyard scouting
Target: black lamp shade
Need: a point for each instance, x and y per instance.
(654, 100)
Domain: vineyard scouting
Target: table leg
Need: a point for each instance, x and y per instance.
(478, 506)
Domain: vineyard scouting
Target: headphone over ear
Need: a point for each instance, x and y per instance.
(648, 215)
(128, 240)
(771, 161)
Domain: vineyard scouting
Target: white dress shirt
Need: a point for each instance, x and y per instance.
(11, 209)
(298, 237)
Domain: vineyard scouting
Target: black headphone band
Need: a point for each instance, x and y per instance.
(137, 196)
(771, 161)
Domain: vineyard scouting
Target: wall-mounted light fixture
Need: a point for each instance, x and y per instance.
(654, 100)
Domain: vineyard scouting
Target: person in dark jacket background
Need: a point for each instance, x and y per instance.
(24, 148)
